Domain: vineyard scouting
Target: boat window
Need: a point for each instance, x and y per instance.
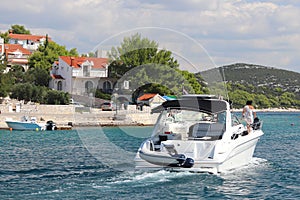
(179, 124)
(235, 120)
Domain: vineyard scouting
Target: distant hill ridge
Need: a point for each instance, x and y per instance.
(261, 76)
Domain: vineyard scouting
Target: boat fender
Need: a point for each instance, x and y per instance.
(189, 162)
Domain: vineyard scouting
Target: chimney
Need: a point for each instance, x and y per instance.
(72, 59)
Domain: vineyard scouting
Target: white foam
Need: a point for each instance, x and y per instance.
(146, 178)
(254, 164)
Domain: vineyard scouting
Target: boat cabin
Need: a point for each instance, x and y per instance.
(192, 119)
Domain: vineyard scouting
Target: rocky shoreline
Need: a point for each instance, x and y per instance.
(70, 116)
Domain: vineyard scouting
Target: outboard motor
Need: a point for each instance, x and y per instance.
(189, 162)
(50, 126)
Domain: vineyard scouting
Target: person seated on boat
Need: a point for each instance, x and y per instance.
(170, 116)
(178, 116)
(207, 117)
(249, 114)
(173, 116)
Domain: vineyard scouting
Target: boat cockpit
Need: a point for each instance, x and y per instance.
(188, 124)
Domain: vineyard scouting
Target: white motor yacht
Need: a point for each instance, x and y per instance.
(198, 133)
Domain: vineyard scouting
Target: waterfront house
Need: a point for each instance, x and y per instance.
(80, 75)
(29, 42)
(151, 100)
(14, 54)
(19, 48)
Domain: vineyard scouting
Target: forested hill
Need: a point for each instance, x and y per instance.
(258, 75)
(268, 86)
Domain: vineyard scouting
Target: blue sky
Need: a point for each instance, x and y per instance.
(260, 32)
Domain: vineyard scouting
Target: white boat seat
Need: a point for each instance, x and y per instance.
(213, 130)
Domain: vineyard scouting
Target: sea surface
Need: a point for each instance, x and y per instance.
(97, 163)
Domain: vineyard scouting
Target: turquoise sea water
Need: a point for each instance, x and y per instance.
(97, 163)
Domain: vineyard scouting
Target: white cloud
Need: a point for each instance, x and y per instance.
(265, 32)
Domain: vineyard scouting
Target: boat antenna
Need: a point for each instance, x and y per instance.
(224, 81)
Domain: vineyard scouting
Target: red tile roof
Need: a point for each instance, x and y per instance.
(55, 76)
(77, 61)
(10, 48)
(146, 97)
(35, 38)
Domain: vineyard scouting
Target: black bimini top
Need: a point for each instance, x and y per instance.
(204, 105)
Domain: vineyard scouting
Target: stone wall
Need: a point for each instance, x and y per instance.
(79, 116)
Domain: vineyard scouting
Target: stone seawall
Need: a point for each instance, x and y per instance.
(63, 115)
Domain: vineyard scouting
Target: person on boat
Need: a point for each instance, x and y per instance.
(249, 114)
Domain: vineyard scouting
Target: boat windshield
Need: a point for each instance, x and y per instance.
(189, 124)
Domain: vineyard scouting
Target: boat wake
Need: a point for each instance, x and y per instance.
(255, 164)
(146, 178)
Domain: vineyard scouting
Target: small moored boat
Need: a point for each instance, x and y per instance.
(26, 123)
(30, 124)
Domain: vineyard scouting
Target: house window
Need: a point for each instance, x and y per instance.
(59, 85)
(89, 86)
(86, 70)
(126, 85)
(107, 87)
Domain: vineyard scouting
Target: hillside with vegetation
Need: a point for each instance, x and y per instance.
(151, 70)
(268, 87)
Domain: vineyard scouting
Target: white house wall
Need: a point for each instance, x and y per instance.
(74, 81)
(32, 46)
(66, 72)
(98, 73)
(78, 72)
(79, 85)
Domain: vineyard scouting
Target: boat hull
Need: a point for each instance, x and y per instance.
(14, 125)
(239, 155)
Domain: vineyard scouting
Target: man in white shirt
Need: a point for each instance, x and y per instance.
(249, 114)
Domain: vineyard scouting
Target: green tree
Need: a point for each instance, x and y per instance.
(194, 81)
(155, 78)
(16, 29)
(6, 84)
(22, 91)
(17, 74)
(239, 98)
(273, 101)
(5, 36)
(149, 69)
(287, 99)
(136, 51)
(262, 101)
(57, 97)
(19, 29)
(45, 56)
(38, 76)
